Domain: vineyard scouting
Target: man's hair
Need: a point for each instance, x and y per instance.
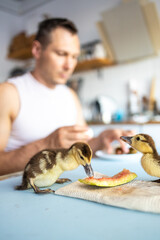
(49, 25)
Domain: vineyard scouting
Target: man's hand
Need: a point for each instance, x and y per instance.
(64, 137)
(105, 139)
(108, 136)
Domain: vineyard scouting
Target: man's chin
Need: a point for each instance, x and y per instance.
(61, 81)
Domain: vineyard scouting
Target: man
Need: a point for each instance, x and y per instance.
(37, 110)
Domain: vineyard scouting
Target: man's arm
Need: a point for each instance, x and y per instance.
(9, 108)
(17, 159)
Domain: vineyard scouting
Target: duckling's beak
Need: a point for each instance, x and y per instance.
(126, 139)
(88, 169)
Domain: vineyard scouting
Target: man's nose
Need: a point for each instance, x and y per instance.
(69, 63)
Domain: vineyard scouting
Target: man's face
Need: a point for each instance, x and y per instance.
(57, 61)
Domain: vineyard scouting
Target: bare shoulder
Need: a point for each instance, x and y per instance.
(7, 88)
(9, 98)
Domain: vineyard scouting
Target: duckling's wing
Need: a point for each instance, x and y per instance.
(40, 163)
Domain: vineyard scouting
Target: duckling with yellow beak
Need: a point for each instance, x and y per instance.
(45, 167)
(150, 160)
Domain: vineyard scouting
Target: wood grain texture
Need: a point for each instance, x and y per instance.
(93, 64)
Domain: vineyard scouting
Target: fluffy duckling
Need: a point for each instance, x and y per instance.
(45, 167)
(150, 160)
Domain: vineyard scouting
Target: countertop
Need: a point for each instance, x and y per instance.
(123, 123)
(26, 215)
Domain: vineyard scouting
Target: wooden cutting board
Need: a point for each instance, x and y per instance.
(136, 195)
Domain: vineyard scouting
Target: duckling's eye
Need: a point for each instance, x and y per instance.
(138, 138)
(81, 157)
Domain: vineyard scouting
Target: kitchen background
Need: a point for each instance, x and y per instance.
(118, 92)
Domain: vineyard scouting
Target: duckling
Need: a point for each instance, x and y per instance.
(150, 160)
(45, 167)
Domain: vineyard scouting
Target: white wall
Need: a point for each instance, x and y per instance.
(9, 26)
(112, 81)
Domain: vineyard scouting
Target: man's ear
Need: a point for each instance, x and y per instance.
(36, 49)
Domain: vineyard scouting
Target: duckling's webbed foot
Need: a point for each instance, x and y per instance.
(157, 181)
(48, 190)
(37, 190)
(63, 180)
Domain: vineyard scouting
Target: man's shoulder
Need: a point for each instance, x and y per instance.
(19, 83)
(7, 88)
(9, 99)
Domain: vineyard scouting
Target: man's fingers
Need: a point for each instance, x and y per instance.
(124, 146)
(108, 146)
(75, 133)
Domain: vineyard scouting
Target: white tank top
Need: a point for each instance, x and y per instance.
(42, 110)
